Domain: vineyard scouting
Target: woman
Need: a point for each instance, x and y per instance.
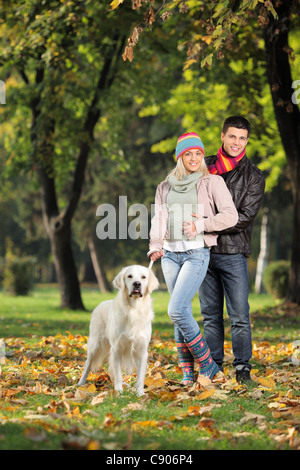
(182, 237)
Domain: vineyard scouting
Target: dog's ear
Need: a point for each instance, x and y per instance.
(118, 281)
(153, 282)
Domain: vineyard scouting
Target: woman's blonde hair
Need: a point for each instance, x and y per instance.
(179, 171)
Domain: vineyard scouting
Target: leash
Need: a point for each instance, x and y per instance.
(148, 254)
(150, 264)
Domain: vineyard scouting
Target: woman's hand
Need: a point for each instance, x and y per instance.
(189, 229)
(156, 255)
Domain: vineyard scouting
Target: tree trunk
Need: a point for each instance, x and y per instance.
(294, 280)
(288, 120)
(58, 228)
(263, 254)
(96, 265)
(58, 224)
(66, 270)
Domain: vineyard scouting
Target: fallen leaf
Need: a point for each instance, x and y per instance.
(35, 417)
(221, 395)
(252, 417)
(76, 410)
(206, 423)
(152, 382)
(268, 383)
(93, 445)
(134, 407)
(194, 410)
(230, 384)
(204, 382)
(99, 398)
(276, 405)
(206, 394)
(35, 435)
(256, 394)
(81, 394)
(77, 443)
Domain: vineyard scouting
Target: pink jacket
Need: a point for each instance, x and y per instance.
(213, 194)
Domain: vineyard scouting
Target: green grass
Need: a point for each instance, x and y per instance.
(39, 408)
(40, 314)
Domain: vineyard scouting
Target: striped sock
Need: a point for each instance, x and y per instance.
(201, 352)
(186, 361)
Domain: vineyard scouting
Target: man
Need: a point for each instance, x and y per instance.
(228, 268)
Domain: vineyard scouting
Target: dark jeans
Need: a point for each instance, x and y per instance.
(227, 275)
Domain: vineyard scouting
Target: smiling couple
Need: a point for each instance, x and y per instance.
(209, 252)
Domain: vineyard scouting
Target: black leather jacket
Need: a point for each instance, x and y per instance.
(246, 184)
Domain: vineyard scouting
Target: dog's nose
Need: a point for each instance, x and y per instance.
(136, 284)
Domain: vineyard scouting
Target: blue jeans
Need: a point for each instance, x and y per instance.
(184, 273)
(227, 275)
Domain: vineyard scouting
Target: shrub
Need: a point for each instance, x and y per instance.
(18, 274)
(276, 278)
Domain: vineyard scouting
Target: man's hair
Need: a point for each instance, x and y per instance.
(236, 121)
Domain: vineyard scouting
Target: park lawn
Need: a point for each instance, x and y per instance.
(41, 407)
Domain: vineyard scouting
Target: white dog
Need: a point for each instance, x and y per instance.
(120, 329)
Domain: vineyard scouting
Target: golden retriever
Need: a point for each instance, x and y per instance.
(120, 329)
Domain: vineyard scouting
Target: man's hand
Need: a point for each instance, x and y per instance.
(197, 216)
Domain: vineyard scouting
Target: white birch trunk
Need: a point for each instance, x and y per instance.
(263, 255)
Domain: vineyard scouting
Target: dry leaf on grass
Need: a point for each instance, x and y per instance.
(154, 382)
(53, 372)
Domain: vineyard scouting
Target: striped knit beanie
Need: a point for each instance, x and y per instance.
(188, 141)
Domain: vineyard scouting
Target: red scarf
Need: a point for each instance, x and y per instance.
(224, 162)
